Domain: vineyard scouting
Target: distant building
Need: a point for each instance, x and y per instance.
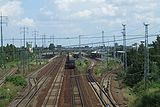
(59, 46)
(29, 47)
(135, 46)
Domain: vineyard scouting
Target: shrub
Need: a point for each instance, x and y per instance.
(149, 100)
(17, 80)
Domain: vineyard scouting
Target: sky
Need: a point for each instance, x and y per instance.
(71, 18)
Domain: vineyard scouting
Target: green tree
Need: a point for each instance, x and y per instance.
(52, 47)
(135, 67)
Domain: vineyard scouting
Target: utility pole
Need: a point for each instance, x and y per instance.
(80, 45)
(43, 41)
(3, 20)
(35, 33)
(13, 40)
(53, 40)
(114, 53)
(124, 48)
(24, 31)
(107, 52)
(146, 55)
(14, 55)
(103, 45)
(43, 44)
(103, 39)
(41, 49)
(50, 40)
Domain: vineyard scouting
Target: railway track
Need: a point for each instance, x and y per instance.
(53, 94)
(26, 99)
(2, 79)
(111, 87)
(77, 95)
(76, 91)
(105, 98)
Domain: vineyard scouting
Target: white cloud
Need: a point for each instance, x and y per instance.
(11, 8)
(106, 13)
(26, 22)
(97, 12)
(85, 13)
(65, 4)
(46, 12)
(79, 9)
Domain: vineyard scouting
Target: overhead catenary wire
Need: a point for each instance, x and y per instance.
(76, 37)
(112, 41)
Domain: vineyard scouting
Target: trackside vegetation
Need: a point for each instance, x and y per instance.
(17, 80)
(106, 65)
(25, 62)
(10, 89)
(140, 93)
(82, 65)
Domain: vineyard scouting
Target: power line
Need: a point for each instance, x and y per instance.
(72, 37)
(92, 34)
(111, 41)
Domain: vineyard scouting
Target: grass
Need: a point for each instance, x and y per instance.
(8, 92)
(12, 64)
(106, 66)
(16, 83)
(82, 64)
(129, 96)
(139, 97)
(10, 89)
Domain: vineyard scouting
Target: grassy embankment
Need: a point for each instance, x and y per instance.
(10, 89)
(105, 66)
(82, 65)
(136, 96)
(15, 84)
(139, 96)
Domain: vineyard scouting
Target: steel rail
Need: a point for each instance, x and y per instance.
(34, 88)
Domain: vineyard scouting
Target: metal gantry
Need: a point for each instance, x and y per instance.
(3, 21)
(24, 31)
(114, 54)
(103, 39)
(124, 48)
(35, 34)
(146, 55)
(80, 45)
